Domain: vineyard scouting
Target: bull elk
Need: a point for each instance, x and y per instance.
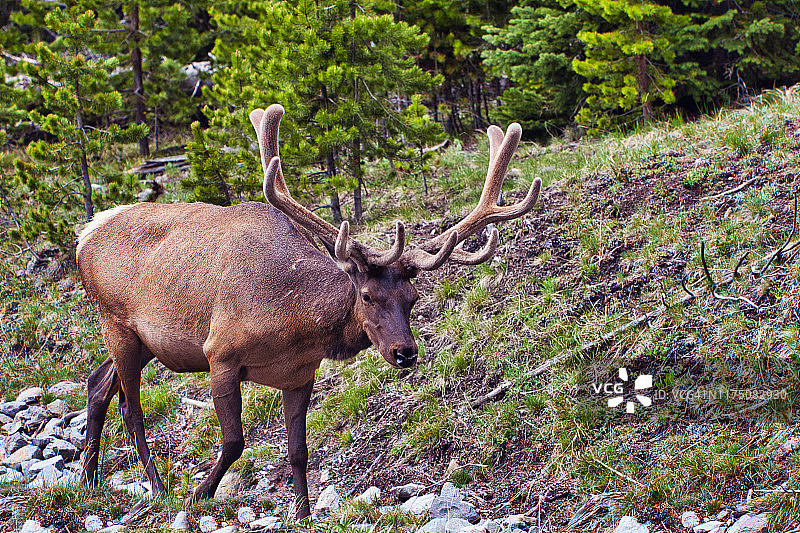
(242, 292)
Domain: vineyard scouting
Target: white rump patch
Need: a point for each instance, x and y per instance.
(98, 220)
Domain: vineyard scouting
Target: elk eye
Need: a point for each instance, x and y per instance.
(366, 298)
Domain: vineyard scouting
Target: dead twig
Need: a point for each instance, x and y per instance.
(714, 285)
(786, 245)
(615, 471)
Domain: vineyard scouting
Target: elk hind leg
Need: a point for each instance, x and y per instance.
(129, 369)
(102, 386)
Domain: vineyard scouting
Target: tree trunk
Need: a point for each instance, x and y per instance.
(138, 84)
(336, 208)
(87, 183)
(643, 81)
(355, 161)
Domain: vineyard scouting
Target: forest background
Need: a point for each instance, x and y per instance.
(361, 80)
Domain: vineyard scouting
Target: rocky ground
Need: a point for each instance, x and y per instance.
(43, 445)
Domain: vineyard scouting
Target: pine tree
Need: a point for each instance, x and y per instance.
(631, 63)
(535, 51)
(78, 102)
(153, 40)
(336, 67)
(751, 46)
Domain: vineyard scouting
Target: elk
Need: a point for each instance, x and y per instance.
(242, 292)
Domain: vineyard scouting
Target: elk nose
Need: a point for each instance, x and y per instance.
(405, 357)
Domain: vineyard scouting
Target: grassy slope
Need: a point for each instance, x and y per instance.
(619, 225)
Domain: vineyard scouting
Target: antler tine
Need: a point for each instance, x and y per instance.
(501, 150)
(495, 135)
(393, 254)
(422, 260)
(267, 123)
(476, 258)
(343, 246)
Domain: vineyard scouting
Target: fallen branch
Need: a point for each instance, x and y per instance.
(497, 391)
(735, 189)
(638, 321)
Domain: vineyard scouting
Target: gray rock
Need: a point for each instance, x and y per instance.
(13, 443)
(138, 488)
(93, 523)
(404, 492)
(30, 420)
(689, 519)
(207, 524)
(12, 408)
(245, 515)
(30, 395)
(26, 453)
(62, 388)
(486, 526)
(61, 448)
(329, 500)
(78, 420)
(707, 526)
(418, 504)
(750, 523)
(269, 522)
(33, 526)
(443, 525)
(11, 476)
(56, 462)
(181, 521)
(53, 428)
(58, 407)
(516, 520)
(115, 528)
(46, 477)
(232, 483)
(434, 526)
(449, 504)
(226, 529)
(69, 478)
(76, 436)
(371, 495)
(629, 524)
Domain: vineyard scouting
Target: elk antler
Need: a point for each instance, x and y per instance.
(432, 253)
(501, 149)
(266, 124)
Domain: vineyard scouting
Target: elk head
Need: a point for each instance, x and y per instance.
(382, 279)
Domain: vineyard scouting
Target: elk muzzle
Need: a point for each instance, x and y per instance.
(405, 357)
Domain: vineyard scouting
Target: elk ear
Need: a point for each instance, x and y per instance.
(350, 266)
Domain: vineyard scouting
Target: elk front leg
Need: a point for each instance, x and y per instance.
(103, 385)
(295, 406)
(228, 403)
